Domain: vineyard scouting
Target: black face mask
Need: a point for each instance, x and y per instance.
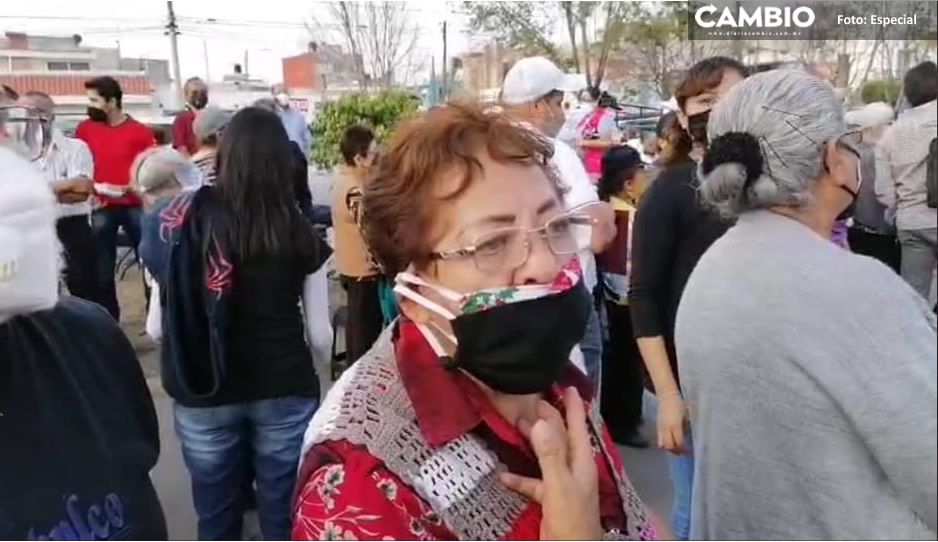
(522, 348)
(198, 100)
(97, 114)
(697, 126)
(848, 212)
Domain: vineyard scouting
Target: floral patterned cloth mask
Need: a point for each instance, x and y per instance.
(485, 299)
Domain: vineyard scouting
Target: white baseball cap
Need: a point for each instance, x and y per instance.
(870, 115)
(534, 77)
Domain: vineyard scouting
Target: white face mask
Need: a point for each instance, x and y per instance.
(283, 99)
(29, 247)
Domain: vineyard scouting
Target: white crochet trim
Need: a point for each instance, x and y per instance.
(369, 407)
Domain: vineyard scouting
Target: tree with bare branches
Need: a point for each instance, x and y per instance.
(527, 26)
(654, 39)
(571, 20)
(381, 36)
(523, 26)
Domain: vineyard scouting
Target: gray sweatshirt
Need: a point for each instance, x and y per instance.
(810, 375)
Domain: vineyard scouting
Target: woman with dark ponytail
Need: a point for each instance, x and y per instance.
(622, 182)
(674, 143)
(241, 284)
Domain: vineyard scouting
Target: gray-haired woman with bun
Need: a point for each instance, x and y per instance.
(813, 420)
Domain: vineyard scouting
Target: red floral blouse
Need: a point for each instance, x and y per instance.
(345, 493)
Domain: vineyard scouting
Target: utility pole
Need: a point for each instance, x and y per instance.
(445, 76)
(208, 74)
(432, 92)
(173, 31)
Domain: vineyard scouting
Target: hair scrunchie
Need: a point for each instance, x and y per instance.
(735, 148)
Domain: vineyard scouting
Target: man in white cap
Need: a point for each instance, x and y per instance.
(533, 93)
(80, 433)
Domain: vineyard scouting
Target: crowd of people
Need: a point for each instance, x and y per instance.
(518, 283)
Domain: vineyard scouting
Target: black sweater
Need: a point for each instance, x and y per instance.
(78, 431)
(672, 230)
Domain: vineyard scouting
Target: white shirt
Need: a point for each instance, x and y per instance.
(67, 158)
(580, 190)
(570, 131)
(901, 167)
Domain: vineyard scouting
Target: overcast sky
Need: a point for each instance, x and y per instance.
(267, 29)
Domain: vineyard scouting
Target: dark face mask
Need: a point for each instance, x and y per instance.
(198, 100)
(97, 114)
(697, 126)
(848, 212)
(522, 348)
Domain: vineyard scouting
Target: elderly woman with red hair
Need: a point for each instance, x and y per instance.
(466, 420)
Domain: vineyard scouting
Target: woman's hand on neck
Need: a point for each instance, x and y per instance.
(512, 407)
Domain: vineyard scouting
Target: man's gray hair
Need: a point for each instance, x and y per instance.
(791, 114)
(160, 169)
(267, 104)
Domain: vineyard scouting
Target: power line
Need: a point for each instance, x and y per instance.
(82, 18)
(242, 22)
(104, 31)
(122, 30)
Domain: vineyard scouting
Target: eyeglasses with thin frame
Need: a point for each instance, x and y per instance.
(509, 248)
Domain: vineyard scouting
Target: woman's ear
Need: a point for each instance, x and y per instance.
(830, 156)
(682, 118)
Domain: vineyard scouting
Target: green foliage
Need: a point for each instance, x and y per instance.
(381, 112)
(522, 26)
(880, 91)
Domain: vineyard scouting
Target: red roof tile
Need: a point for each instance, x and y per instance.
(72, 85)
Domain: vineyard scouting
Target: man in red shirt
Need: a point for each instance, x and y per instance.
(115, 140)
(184, 141)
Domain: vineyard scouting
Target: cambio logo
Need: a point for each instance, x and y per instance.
(761, 17)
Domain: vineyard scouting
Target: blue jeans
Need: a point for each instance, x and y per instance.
(104, 224)
(592, 348)
(682, 483)
(221, 444)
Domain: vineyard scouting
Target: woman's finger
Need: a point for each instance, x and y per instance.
(665, 440)
(674, 443)
(531, 488)
(551, 450)
(578, 434)
(679, 440)
(548, 413)
(554, 419)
